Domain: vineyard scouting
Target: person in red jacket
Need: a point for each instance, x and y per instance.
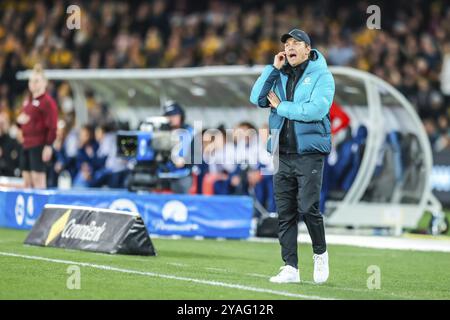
(336, 112)
(37, 120)
(339, 121)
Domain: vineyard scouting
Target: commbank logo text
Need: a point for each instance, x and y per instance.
(90, 232)
(72, 230)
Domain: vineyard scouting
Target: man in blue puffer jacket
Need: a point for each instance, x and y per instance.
(299, 89)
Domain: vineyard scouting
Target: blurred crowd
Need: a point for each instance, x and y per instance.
(233, 161)
(411, 50)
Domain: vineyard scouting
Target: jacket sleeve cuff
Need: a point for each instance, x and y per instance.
(283, 109)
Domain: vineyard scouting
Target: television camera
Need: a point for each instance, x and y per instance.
(149, 150)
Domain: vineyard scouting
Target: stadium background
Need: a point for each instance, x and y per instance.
(411, 51)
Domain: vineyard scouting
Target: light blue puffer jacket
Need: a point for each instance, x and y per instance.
(310, 107)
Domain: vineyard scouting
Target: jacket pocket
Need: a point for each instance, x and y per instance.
(315, 127)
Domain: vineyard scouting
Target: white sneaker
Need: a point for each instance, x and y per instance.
(321, 270)
(287, 274)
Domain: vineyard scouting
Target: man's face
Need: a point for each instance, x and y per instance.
(296, 51)
(174, 120)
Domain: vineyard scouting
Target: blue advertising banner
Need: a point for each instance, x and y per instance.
(163, 214)
(22, 208)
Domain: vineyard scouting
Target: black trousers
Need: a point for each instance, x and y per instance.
(297, 185)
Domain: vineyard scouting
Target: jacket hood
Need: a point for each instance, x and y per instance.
(316, 61)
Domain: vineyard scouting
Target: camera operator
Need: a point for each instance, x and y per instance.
(179, 164)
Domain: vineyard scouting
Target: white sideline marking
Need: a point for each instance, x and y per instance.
(167, 276)
(265, 276)
(336, 288)
(374, 242)
(176, 264)
(217, 269)
(257, 275)
(396, 243)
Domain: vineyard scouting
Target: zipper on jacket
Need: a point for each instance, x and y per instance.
(291, 95)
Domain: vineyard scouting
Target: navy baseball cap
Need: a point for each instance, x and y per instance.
(297, 34)
(172, 108)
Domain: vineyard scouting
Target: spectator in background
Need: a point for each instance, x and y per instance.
(218, 161)
(87, 159)
(9, 148)
(97, 111)
(443, 142)
(340, 52)
(70, 148)
(432, 132)
(38, 121)
(58, 153)
(112, 170)
(248, 154)
(261, 181)
(200, 170)
(247, 166)
(411, 51)
(64, 153)
(445, 73)
(220, 155)
(245, 154)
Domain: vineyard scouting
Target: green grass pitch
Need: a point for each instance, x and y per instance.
(214, 269)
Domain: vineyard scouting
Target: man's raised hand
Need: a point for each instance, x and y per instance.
(279, 60)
